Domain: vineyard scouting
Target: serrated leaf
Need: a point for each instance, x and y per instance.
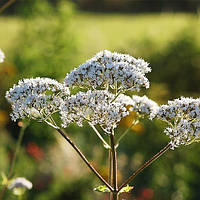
(126, 189)
(102, 188)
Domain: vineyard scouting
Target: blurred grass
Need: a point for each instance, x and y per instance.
(10, 28)
(112, 31)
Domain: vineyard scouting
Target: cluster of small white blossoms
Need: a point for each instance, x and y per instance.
(35, 98)
(2, 56)
(106, 69)
(144, 106)
(95, 107)
(183, 117)
(20, 182)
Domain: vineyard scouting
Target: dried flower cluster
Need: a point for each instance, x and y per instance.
(95, 107)
(183, 117)
(117, 71)
(35, 98)
(2, 56)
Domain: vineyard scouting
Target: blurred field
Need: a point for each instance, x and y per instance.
(113, 31)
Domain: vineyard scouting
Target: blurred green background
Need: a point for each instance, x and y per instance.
(48, 39)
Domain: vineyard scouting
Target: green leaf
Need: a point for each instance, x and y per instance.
(4, 179)
(126, 189)
(102, 188)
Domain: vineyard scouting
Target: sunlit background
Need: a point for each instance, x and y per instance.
(48, 39)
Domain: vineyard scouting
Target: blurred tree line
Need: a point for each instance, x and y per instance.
(133, 6)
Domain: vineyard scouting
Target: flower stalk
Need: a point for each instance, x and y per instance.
(145, 165)
(84, 158)
(114, 165)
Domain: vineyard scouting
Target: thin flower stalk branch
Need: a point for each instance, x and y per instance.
(11, 170)
(145, 165)
(114, 165)
(84, 158)
(19, 141)
(105, 144)
(110, 172)
(116, 96)
(126, 131)
(6, 5)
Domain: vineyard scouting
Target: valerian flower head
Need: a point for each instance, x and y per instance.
(20, 182)
(19, 185)
(2, 56)
(106, 69)
(144, 106)
(35, 98)
(98, 107)
(183, 117)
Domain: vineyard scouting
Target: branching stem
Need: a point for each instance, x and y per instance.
(146, 164)
(105, 144)
(11, 170)
(84, 158)
(114, 165)
(125, 132)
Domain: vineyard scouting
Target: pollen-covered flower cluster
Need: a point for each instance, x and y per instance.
(183, 117)
(106, 69)
(95, 107)
(35, 97)
(2, 56)
(144, 106)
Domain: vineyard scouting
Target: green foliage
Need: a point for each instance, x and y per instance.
(178, 65)
(102, 188)
(47, 45)
(126, 189)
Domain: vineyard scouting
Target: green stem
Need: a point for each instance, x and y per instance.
(105, 144)
(84, 158)
(146, 164)
(10, 173)
(114, 165)
(110, 172)
(116, 96)
(20, 197)
(125, 132)
(19, 141)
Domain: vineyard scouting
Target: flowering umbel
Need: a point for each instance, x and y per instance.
(35, 98)
(144, 106)
(19, 185)
(96, 107)
(183, 118)
(117, 71)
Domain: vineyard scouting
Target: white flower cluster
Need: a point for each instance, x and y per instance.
(35, 97)
(183, 116)
(106, 69)
(20, 182)
(95, 107)
(144, 106)
(2, 56)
